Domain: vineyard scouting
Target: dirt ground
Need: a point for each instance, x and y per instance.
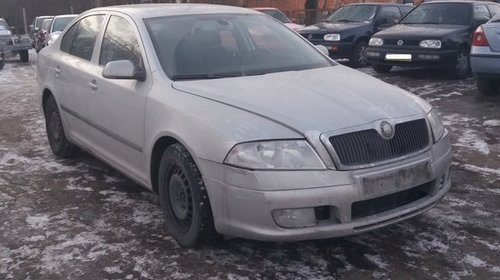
(80, 219)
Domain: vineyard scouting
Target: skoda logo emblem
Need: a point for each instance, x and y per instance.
(386, 130)
(400, 42)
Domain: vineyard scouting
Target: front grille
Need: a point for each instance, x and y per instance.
(365, 208)
(367, 146)
(313, 36)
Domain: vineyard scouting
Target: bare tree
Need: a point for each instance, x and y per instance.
(311, 6)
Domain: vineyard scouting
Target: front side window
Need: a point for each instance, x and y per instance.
(440, 13)
(120, 43)
(85, 36)
(354, 13)
(218, 46)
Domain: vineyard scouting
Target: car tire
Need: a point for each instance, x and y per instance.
(184, 199)
(358, 58)
(24, 56)
(60, 146)
(461, 67)
(382, 69)
(487, 86)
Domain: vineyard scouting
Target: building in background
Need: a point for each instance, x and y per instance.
(12, 10)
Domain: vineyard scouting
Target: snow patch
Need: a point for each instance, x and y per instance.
(491, 123)
(37, 222)
(470, 139)
(113, 269)
(474, 261)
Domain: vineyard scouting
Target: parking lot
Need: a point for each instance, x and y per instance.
(79, 219)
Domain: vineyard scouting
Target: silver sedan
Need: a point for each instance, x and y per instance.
(243, 127)
(485, 56)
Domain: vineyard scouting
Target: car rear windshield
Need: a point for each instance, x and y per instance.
(219, 45)
(354, 13)
(61, 23)
(440, 13)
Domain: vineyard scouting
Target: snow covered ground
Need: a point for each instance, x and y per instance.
(79, 219)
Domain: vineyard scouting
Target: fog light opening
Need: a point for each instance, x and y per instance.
(322, 213)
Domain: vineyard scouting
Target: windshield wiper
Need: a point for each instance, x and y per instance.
(347, 20)
(205, 76)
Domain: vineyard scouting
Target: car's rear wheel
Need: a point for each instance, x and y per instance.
(184, 198)
(60, 146)
(487, 86)
(461, 67)
(24, 56)
(358, 58)
(383, 69)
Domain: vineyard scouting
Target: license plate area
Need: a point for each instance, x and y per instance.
(398, 57)
(398, 180)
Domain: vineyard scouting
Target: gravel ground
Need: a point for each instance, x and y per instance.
(80, 219)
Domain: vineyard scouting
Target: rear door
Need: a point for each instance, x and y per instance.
(117, 107)
(73, 69)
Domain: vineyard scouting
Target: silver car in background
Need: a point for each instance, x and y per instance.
(485, 56)
(242, 126)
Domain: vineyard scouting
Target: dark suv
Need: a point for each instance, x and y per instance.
(436, 34)
(347, 30)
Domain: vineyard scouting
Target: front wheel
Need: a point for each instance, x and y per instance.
(487, 86)
(358, 58)
(24, 56)
(184, 198)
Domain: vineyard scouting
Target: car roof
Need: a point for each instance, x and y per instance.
(65, 16)
(457, 2)
(167, 9)
(376, 4)
(265, 8)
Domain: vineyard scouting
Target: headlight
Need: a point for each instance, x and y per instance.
(376, 42)
(332, 37)
(430, 44)
(284, 155)
(436, 125)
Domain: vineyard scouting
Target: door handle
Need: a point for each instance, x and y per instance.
(93, 85)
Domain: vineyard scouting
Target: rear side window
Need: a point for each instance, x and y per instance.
(120, 43)
(481, 13)
(389, 15)
(494, 10)
(81, 37)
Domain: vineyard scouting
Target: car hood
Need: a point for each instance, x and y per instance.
(402, 31)
(293, 26)
(332, 27)
(320, 100)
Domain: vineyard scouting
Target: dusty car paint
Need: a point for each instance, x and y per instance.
(121, 121)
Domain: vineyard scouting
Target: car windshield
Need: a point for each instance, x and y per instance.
(3, 25)
(277, 15)
(61, 23)
(353, 13)
(219, 45)
(440, 13)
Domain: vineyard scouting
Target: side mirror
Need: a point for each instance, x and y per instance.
(322, 49)
(123, 70)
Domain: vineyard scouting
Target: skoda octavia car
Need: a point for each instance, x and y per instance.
(235, 120)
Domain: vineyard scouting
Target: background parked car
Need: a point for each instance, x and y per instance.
(58, 24)
(42, 34)
(35, 28)
(12, 45)
(347, 30)
(485, 56)
(436, 34)
(279, 15)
